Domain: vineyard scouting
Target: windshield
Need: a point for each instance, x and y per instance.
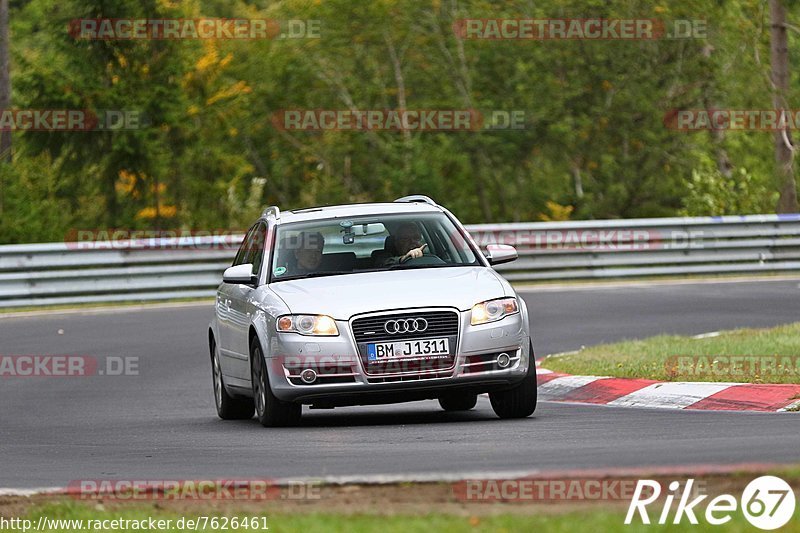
(368, 244)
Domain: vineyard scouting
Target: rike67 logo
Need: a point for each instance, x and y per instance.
(767, 502)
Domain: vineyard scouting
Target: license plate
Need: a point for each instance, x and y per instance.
(428, 348)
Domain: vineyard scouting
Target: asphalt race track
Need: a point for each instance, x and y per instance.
(161, 424)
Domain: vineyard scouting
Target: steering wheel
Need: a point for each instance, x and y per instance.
(424, 260)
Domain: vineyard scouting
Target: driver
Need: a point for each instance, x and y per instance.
(308, 253)
(407, 242)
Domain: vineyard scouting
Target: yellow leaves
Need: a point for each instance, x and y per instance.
(126, 184)
(210, 58)
(169, 4)
(237, 89)
(193, 110)
(233, 132)
(558, 212)
(164, 211)
(607, 85)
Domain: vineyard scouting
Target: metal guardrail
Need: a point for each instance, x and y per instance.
(137, 270)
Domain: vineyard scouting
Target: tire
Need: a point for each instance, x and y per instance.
(270, 411)
(519, 402)
(458, 402)
(228, 407)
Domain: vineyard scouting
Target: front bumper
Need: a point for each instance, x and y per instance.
(341, 378)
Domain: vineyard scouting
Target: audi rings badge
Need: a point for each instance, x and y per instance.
(406, 325)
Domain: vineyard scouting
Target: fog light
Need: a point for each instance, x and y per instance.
(308, 376)
(503, 360)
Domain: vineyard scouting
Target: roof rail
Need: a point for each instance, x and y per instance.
(417, 198)
(272, 211)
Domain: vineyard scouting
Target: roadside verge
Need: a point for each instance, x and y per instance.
(647, 393)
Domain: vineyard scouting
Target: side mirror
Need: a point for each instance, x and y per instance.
(239, 274)
(500, 253)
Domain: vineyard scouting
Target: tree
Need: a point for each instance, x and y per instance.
(784, 151)
(5, 80)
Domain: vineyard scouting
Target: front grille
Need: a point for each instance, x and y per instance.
(414, 377)
(440, 324)
(371, 329)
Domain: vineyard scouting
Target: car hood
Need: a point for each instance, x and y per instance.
(344, 296)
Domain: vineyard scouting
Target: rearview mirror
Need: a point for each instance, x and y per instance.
(239, 274)
(500, 253)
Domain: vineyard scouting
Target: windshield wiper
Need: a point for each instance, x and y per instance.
(402, 266)
(319, 274)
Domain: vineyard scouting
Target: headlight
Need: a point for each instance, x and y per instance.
(493, 310)
(322, 325)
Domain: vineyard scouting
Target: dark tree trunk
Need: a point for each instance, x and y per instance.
(5, 80)
(779, 60)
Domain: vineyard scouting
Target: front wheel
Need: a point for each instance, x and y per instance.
(228, 407)
(519, 402)
(270, 411)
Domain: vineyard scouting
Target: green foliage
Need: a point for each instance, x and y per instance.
(709, 192)
(594, 136)
(35, 206)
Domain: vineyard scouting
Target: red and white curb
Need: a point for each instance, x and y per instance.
(624, 392)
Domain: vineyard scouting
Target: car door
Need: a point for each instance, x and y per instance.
(241, 308)
(225, 314)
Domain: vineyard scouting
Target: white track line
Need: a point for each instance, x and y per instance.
(366, 479)
(561, 386)
(791, 407)
(678, 395)
(100, 310)
(27, 493)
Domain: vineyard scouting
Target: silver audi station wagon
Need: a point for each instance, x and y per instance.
(367, 304)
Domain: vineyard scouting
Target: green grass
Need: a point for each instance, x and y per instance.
(567, 521)
(676, 358)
